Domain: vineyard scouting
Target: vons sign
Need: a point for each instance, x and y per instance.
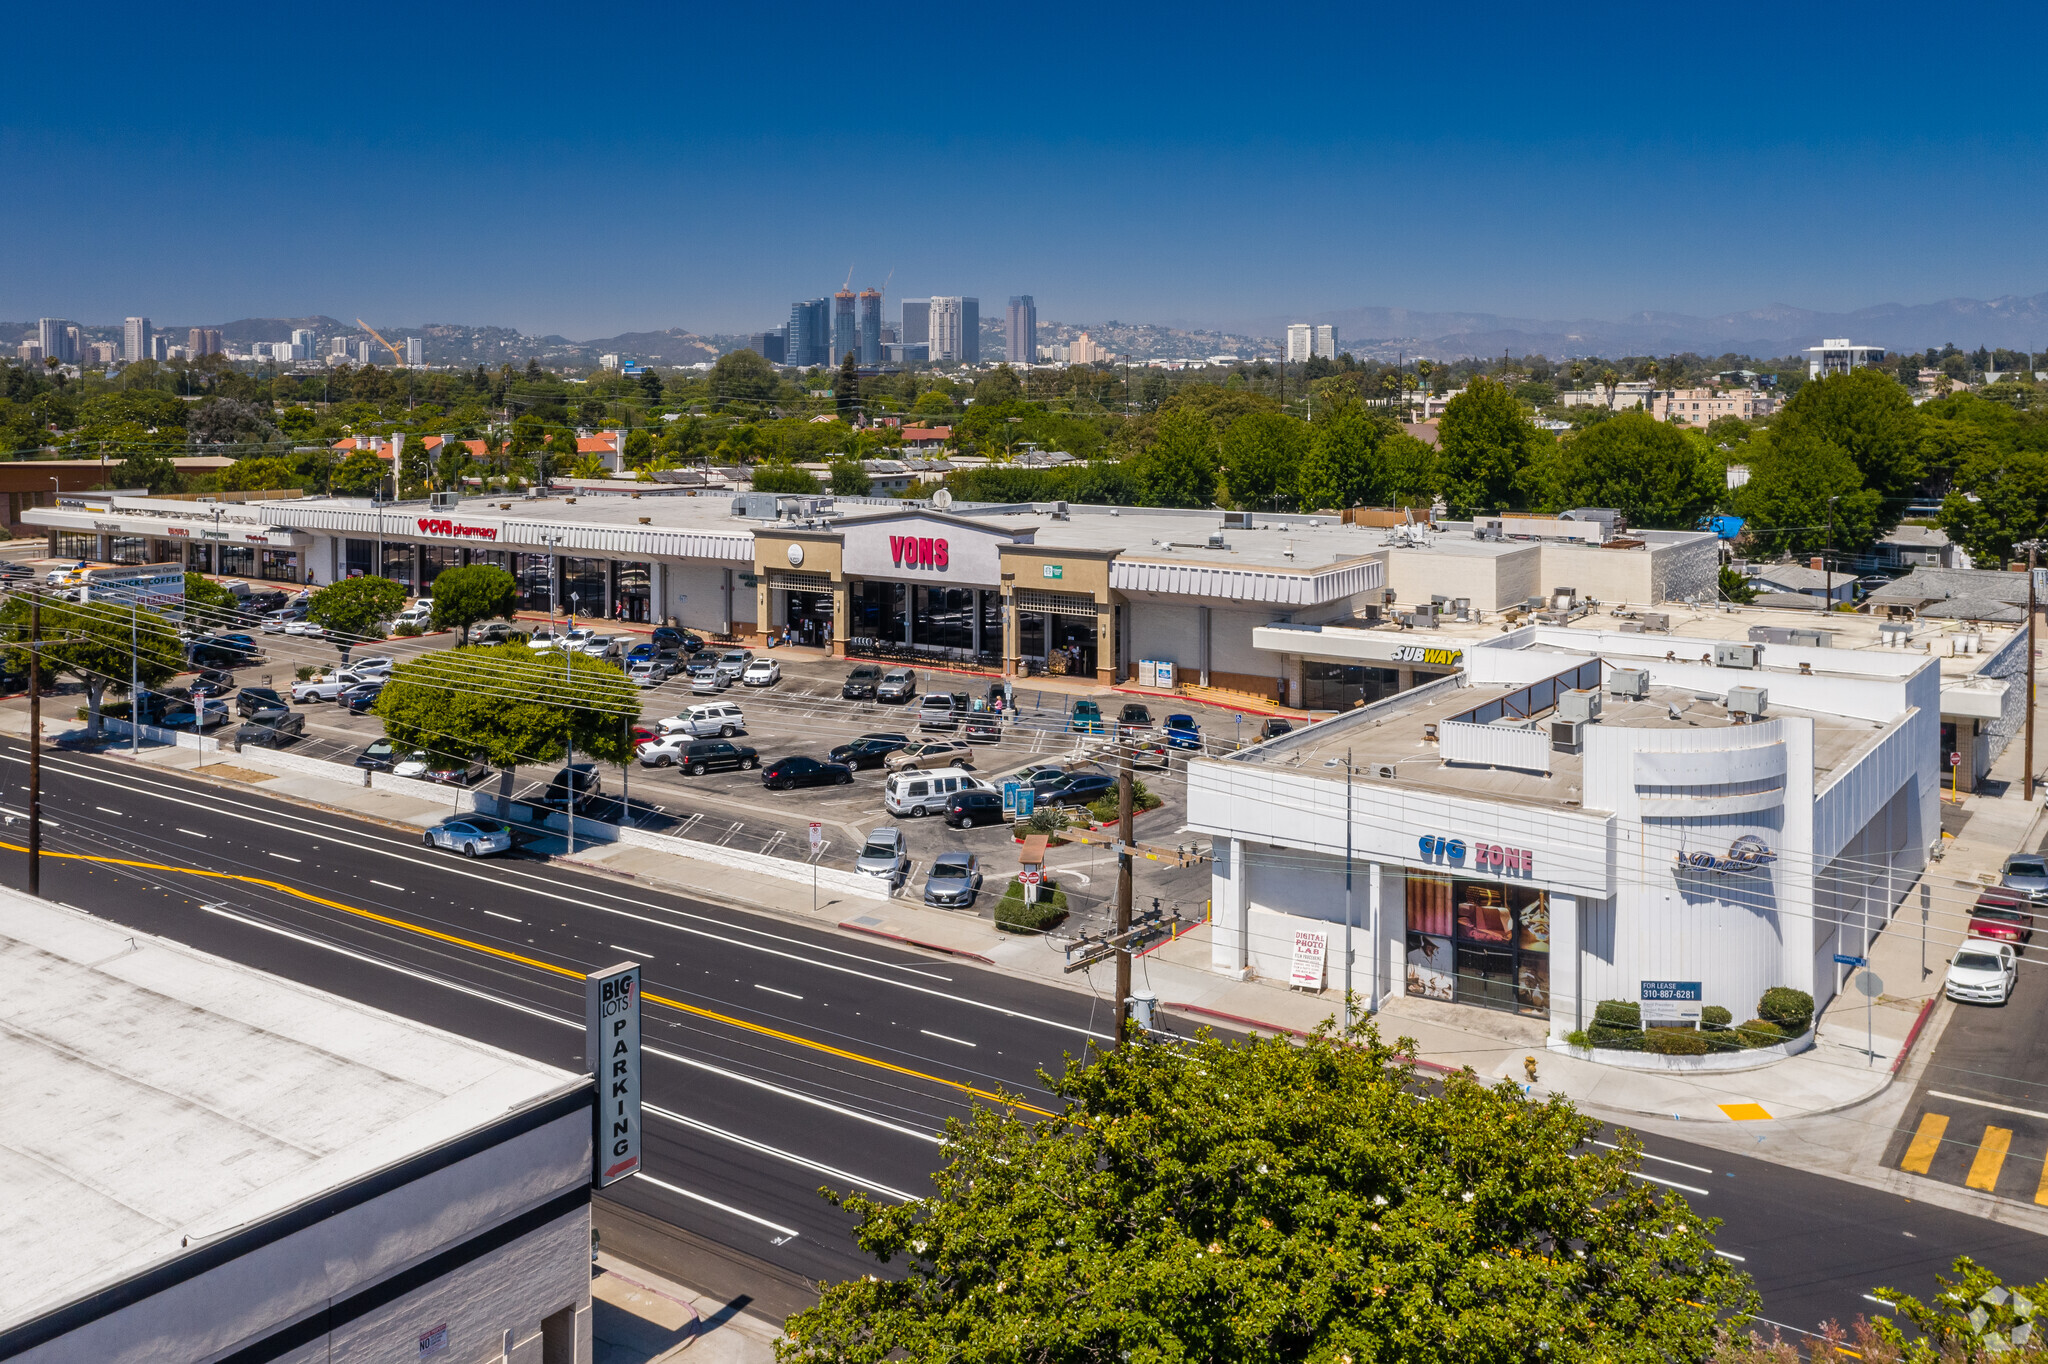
(917, 551)
(434, 526)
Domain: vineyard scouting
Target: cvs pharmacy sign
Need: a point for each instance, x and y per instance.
(916, 551)
(433, 526)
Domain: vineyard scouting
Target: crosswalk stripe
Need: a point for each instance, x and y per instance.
(1990, 1159)
(2041, 1192)
(1926, 1141)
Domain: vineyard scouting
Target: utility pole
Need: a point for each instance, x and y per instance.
(1123, 886)
(1828, 563)
(135, 687)
(1347, 891)
(35, 743)
(2032, 606)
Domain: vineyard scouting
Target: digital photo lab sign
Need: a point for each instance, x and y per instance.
(611, 1015)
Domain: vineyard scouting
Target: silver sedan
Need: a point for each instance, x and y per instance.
(470, 835)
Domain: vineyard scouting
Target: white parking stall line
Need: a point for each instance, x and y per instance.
(689, 823)
(1985, 1103)
(108, 810)
(823, 848)
(787, 1232)
(194, 833)
(770, 845)
(282, 858)
(1671, 1183)
(633, 952)
(727, 837)
(495, 915)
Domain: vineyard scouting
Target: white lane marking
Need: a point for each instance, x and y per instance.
(943, 1038)
(712, 1202)
(773, 991)
(108, 810)
(388, 886)
(495, 915)
(633, 952)
(194, 833)
(586, 899)
(1880, 1301)
(1730, 1255)
(800, 1097)
(282, 858)
(1666, 1159)
(1637, 1174)
(817, 1167)
(1985, 1103)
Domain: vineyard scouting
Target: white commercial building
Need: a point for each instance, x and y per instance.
(135, 334)
(1839, 356)
(1585, 804)
(203, 1162)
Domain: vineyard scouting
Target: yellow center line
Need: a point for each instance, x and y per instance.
(539, 965)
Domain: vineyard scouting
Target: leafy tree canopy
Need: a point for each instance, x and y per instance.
(1179, 469)
(90, 642)
(207, 602)
(783, 478)
(1654, 473)
(1484, 444)
(1264, 1200)
(1261, 452)
(1869, 417)
(849, 479)
(2000, 500)
(509, 706)
(360, 475)
(743, 377)
(147, 469)
(1342, 467)
(355, 609)
(1794, 482)
(464, 596)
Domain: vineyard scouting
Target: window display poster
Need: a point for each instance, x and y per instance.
(1311, 949)
(1430, 971)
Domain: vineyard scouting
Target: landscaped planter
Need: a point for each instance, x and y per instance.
(1753, 1059)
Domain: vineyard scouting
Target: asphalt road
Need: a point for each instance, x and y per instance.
(800, 1059)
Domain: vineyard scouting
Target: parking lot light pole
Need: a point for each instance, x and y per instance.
(35, 743)
(1123, 884)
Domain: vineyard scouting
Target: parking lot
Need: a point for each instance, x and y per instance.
(804, 714)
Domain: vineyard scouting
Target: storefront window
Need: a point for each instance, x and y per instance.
(943, 617)
(876, 615)
(534, 572)
(359, 558)
(433, 559)
(237, 560)
(496, 558)
(128, 549)
(279, 565)
(199, 557)
(1479, 942)
(633, 594)
(78, 546)
(809, 617)
(1344, 686)
(584, 584)
(398, 564)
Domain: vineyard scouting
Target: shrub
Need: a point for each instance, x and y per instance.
(1714, 1018)
(517, 637)
(1619, 1013)
(1760, 1033)
(307, 672)
(1615, 1039)
(1046, 819)
(1107, 809)
(1013, 915)
(1675, 1042)
(407, 630)
(1578, 1038)
(1790, 1009)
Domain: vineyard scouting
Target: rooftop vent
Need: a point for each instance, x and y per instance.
(441, 500)
(1631, 684)
(1728, 655)
(1747, 701)
(1581, 706)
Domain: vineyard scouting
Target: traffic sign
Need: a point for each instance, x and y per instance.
(817, 836)
(1955, 760)
(1841, 960)
(1030, 876)
(1871, 984)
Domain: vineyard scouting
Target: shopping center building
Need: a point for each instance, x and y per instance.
(1108, 593)
(1603, 799)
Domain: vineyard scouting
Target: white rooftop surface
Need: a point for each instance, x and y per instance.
(155, 1093)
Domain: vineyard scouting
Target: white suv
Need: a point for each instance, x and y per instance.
(722, 718)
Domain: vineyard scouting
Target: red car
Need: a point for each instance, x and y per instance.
(2002, 915)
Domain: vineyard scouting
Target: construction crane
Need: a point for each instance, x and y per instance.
(397, 356)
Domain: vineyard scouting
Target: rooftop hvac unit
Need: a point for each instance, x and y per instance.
(1747, 701)
(1385, 771)
(1734, 655)
(1656, 620)
(1631, 684)
(1563, 598)
(1062, 512)
(441, 501)
(1232, 520)
(1216, 540)
(1806, 639)
(1566, 736)
(1579, 705)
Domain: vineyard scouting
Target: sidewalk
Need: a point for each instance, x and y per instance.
(639, 1317)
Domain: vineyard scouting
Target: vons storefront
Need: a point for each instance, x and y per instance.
(921, 586)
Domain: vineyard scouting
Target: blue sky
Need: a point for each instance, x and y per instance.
(590, 171)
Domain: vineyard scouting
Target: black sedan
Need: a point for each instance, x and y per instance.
(786, 773)
(253, 699)
(361, 697)
(1076, 788)
(212, 682)
(380, 756)
(868, 751)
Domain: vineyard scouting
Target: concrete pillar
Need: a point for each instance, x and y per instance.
(1406, 677)
(1229, 948)
(1202, 642)
(1375, 975)
(977, 622)
(841, 611)
(1567, 989)
(104, 551)
(1010, 634)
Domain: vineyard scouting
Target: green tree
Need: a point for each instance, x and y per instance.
(2000, 500)
(1342, 466)
(590, 466)
(1000, 385)
(1649, 470)
(95, 644)
(650, 388)
(147, 469)
(355, 609)
(464, 596)
(932, 403)
(1483, 443)
(1179, 468)
(849, 479)
(784, 478)
(207, 602)
(1274, 1200)
(639, 449)
(360, 475)
(744, 379)
(1869, 417)
(1410, 469)
(1261, 453)
(509, 707)
(1796, 483)
(260, 474)
(846, 388)
(1736, 587)
(1974, 1317)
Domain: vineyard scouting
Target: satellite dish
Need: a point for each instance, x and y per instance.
(943, 498)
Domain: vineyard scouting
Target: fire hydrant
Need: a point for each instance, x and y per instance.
(1529, 1068)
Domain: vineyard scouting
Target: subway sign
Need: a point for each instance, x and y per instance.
(917, 551)
(1416, 653)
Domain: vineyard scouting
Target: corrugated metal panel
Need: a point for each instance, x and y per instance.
(1525, 750)
(1277, 586)
(639, 542)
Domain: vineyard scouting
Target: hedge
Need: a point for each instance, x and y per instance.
(1618, 1013)
(1760, 1032)
(1107, 809)
(1790, 1009)
(1013, 915)
(1714, 1018)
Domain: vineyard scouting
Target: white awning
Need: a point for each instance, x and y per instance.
(1229, 582)
(177, 529)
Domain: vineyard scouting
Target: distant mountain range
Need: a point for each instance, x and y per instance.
(2018, 323)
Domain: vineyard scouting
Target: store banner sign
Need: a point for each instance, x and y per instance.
(1670, 1001)
(1311, 952)
(611, 1016)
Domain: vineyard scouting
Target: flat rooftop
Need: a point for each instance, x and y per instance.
(156, 1093)
(1392, 732)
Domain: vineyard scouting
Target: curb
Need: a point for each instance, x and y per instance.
(1203, 1009)
(284, 797)
(851, 927)
(1912, 1036)
(1278, 712)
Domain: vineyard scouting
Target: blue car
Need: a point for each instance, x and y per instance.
(1183, 732)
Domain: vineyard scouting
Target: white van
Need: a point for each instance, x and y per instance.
(721, 718)
(918, 793)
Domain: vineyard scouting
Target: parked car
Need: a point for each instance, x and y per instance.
(358, 699)
(648, 652)
(930, 753)
(326, 687)
(860, 684)
(223, 651)
(493, 632)
(897, 685)
(275, 621)
(981, 727)
(709, 682)
(212, 682)
(1085, 717)
(936, 712)
(1274, 728)
(786, 774)
(999, 697)
(419, 613)
(2027, 872)
(649, 672)
(1982, 972)
(456, 771)
(918, 792)
(470, 835)
(271, 728)
(697, 756)
(545, 638)
(364, 669)
(203, 713)
(306, 629)
(869, 750)
(762, 672)
(1134, 719)
(265, 715)
(882, 854)
(1076, 788)
(970, 809)
(583, 779)
(1183, 732)
(2002, 916)
(252, 699)
(722, 718)
(696, 665)
(379, 756)
(682, 641)
(1038, 772)
(953, 881)
(733, 662)
(413, 764)
(610, 648)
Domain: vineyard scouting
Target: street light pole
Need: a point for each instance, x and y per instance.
(35, 744)
(2032, 607)
(1347, 890)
